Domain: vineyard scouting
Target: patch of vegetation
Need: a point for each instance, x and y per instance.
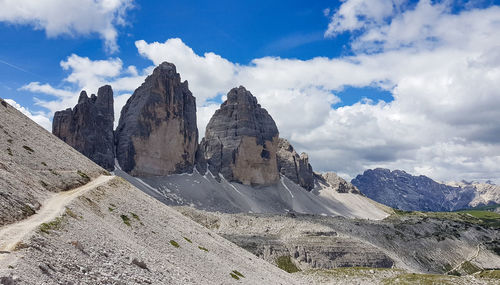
(467, 217)
(83, 175)
(71, 213)
(44, 164)
(424, 279)
(111, 209)
(188, 240)
(9, 140)
(470, 268)
(43, 184)
(29, 149)
(10, 267)
(135, 216)
(174, 243)
(28, 210)
(285, 263)
(202, 248)
(489, 218)
(53, 225)
(234, 276)
(9, 151)
(125, 219)
(238, 273)
(491, 274)
(105, 172)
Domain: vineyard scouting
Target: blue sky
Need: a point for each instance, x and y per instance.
(356, 84)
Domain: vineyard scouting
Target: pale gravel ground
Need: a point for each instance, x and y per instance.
(94, 246)
(34, 163)
(51, 208)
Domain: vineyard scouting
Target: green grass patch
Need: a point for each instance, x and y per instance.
(423, 279)
(135, 216)
(29, 149)
(125, 219)
(71, 213)
(188, 240)
(202, 248)
(28, 210)
(234, 276)
(111, 209)
(53, 225)
(285, 263)
(238, 273)
(470, 268)
(83, 175)
(174, 243)
(484, 218)
(490, 274)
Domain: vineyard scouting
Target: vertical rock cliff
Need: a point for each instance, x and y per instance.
(294, 166)
(241, 141)
(88, 127)
(157, 133)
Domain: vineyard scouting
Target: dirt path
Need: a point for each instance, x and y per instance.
(51, 208)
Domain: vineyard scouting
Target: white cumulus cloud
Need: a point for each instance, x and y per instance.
(69, 17)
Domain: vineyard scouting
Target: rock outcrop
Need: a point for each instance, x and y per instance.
(338, 183)
(294, 166)
(241, 141)
(404, 191)
(88, 127)
(157, 133)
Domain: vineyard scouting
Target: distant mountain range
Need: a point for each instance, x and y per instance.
(404, 191)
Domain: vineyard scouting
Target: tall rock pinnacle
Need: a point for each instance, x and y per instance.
(157, 133)
(241, 141)
(89, 126)
(294, 166)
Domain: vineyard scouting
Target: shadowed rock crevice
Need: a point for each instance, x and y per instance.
(88, 127)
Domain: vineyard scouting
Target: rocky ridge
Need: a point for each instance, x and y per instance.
(404, 191)
(157, 133)
(88, 127)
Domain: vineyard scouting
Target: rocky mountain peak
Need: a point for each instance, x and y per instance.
(88, 127)
(241, 141)
(157, 133)
(339, 183)
(404, 191)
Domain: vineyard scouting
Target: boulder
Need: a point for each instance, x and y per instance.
(88, 127)
(241, 141)
(157, 133)
(294, 166)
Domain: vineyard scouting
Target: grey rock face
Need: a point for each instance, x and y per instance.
(404, 191)
(88, 127)
(241, 141)
(337, 182)
(157, 133)
(294, 166)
